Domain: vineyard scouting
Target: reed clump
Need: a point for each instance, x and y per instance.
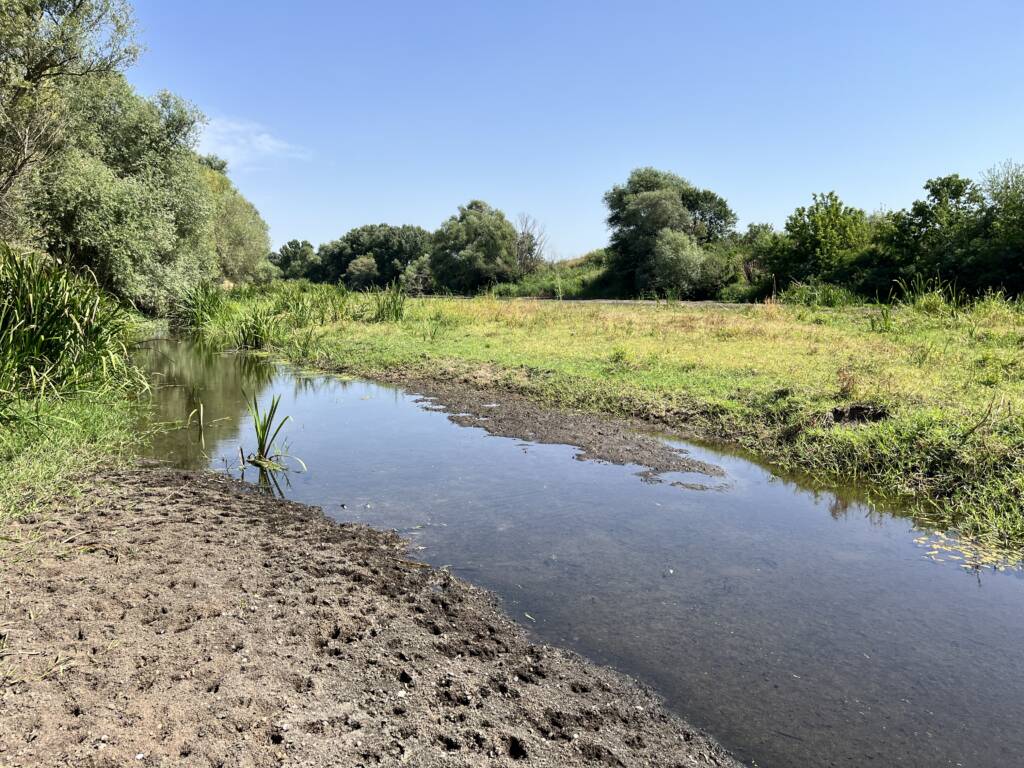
(60, 334)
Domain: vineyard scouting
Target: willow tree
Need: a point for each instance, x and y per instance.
(48, 47)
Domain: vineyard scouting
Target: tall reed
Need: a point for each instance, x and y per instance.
(59, 332)
(388, 303)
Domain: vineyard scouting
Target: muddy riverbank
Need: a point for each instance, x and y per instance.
(478, 397)
(180, 618)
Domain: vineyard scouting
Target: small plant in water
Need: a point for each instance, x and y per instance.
(267, 427)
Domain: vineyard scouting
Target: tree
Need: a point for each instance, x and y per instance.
(474, 249)
(46, 48)
(126, 196)
(392, 247)
(944, 236)
(296, 259)
(1004, 188)
(531, 244)
(240, 235)
(361, 272)
(673, 266)
(820, 237)
(417, 279)
(651, 201)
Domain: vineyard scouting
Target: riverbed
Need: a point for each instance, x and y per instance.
(799, 627)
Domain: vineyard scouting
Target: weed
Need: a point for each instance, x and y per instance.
(388, 303)
(267, 427)
(257, 330)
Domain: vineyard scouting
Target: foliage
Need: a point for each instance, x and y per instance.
(392, 249)
(361, 272)
(59, 333)
(47, 46)
(388, 304)
(297, 259)
(197, 305)
(820, 238)
(652, 201)
(673, 266)
(267, 427)
(257, 329)
(531, 245)
(240, 235)
(417, 279)
(474, 249)
(966, 233)
(586, 277)
(102, 178)
(819, 295)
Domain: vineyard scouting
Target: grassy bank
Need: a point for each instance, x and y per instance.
(68, 390)
(923, 401)
(62, 443)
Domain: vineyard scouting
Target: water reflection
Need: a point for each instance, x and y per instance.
(801, 628)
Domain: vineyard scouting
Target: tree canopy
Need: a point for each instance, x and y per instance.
(391, 248)
(474, 248)
(651, 202)
(103, 177)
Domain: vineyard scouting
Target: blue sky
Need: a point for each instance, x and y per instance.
(336, 114)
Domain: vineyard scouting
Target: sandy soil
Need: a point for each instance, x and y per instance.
(173, 618)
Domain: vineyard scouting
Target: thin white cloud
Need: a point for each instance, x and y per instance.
(246, 144)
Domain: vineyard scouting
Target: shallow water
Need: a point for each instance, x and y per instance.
(800, 630)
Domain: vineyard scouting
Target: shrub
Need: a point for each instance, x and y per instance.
(819, 295)
(673, 266)
(59, 332)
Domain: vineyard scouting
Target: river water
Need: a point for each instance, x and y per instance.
(799, 628)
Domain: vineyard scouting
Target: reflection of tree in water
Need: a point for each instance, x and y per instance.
(185, 374)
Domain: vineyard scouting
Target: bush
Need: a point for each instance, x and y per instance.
(59, 332)
(819, 295)
(673, 266)
(361, 273)
(417, 279)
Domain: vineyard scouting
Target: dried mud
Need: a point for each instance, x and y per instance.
(175, 618)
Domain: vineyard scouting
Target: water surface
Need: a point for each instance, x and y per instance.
(799, 629)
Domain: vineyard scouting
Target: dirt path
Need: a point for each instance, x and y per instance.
(187, 620)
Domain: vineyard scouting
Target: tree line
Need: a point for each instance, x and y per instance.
(105, 179)
(102, 178)
(474, 249)
(670, 238)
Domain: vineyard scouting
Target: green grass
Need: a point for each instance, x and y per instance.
(68, 438)
(68, 389)
(921, 401)
(59, 333)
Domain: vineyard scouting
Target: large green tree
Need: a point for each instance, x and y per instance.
(474, 249)
(297, 259)
(240, 235)
(1004, 262)
(127, 198)
(48, 48)
(391, 247)
(820, 239)
(652, 201)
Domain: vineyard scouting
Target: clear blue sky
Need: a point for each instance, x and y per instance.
(336, 114)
